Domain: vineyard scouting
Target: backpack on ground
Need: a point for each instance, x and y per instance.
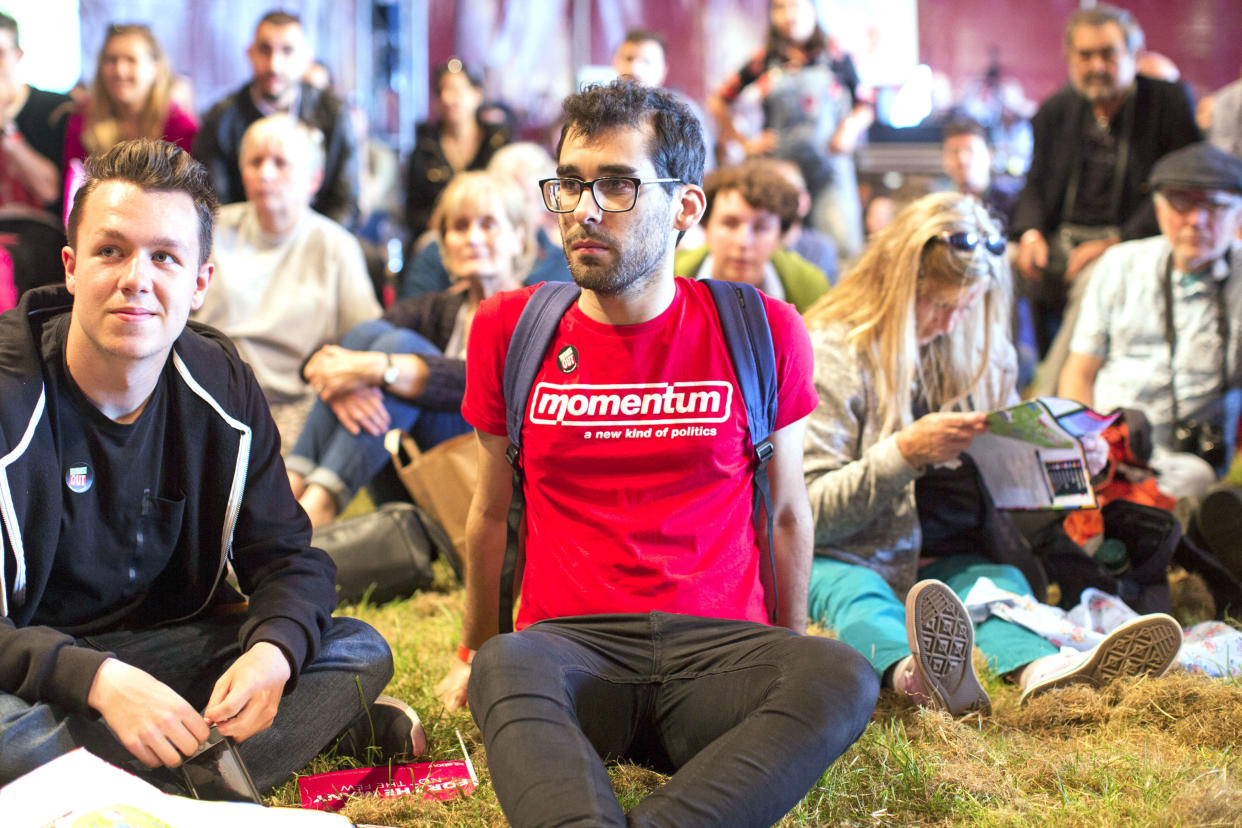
(748, 338)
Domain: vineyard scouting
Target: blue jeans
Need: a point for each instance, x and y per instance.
(865, 613)
(326, 453)
(746, 717)
(353, 664)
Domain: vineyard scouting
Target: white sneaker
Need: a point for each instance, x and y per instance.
(941, 638)
(1143, 646)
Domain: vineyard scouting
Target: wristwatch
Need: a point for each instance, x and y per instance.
(390, 373)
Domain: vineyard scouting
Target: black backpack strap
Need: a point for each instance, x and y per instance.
(749, 339)
(534, 332)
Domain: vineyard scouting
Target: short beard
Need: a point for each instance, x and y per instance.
(636, 266)
(620, 280)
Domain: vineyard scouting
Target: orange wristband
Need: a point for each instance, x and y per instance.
(464, 654)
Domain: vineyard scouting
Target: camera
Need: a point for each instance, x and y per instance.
(1202, 438)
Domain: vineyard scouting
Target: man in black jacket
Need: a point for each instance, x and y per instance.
(279, 56)
(1095, 143)
(138, 463)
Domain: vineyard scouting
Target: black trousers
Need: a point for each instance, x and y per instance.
(746, 717)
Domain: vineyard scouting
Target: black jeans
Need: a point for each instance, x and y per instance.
(353, 661)
(746, 717)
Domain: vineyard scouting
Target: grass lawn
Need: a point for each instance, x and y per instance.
(1160, 753)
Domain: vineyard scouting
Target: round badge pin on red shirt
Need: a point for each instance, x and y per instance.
(567, 359)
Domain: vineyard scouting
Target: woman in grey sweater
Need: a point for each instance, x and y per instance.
(911, 351)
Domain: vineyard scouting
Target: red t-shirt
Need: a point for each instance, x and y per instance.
(636, 458)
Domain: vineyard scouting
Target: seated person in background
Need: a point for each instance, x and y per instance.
(278, 56)
(131, 97)
(526, 164)
(1159, 329)
(457, 140)
(32, 144)
(32, 135)
(749, 207)
(1096, 140)
(287, 278)
(407, 370)
(816, 246)
(911, 350)
(642, 58)
(967, 160)
(149, 462)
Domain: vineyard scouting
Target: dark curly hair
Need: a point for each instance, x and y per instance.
(760, 183)
(676, 148)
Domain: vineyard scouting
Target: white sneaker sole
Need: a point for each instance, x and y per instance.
(941, 638)
(1143, 646)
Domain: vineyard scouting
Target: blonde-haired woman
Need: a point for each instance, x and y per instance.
(131, 97)
(911, 351)
(407, 370)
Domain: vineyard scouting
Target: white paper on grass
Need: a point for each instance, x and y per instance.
(80, 783)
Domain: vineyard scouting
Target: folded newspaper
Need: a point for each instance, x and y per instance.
(1031, 456)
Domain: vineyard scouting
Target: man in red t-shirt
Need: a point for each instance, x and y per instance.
(643, 631)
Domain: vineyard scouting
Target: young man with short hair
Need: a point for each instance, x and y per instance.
(640, 57)
(750, 208)
(644, 625)
(967, 161)
(138, 464)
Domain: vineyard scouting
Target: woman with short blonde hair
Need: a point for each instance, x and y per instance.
(407, 369)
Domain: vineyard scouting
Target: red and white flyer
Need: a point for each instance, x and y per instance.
(432, 781)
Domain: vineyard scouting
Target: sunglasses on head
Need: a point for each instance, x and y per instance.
(965, 241)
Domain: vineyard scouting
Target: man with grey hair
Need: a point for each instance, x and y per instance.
(288, 280)
(1095, 143)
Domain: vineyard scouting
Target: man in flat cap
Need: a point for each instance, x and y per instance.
(1159, 328)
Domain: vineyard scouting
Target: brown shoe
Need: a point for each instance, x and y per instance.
(942, 638)
(1143, 646)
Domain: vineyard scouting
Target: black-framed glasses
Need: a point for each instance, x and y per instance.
(613, 193)
(965, 241)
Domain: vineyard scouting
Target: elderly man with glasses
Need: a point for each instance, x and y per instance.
(1159, 323)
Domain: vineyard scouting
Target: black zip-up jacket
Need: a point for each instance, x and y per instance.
(1164, 120)
(237, 508)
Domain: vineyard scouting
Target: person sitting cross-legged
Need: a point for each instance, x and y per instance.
(407, 369)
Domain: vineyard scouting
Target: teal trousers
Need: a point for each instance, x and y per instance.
(864, 612)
